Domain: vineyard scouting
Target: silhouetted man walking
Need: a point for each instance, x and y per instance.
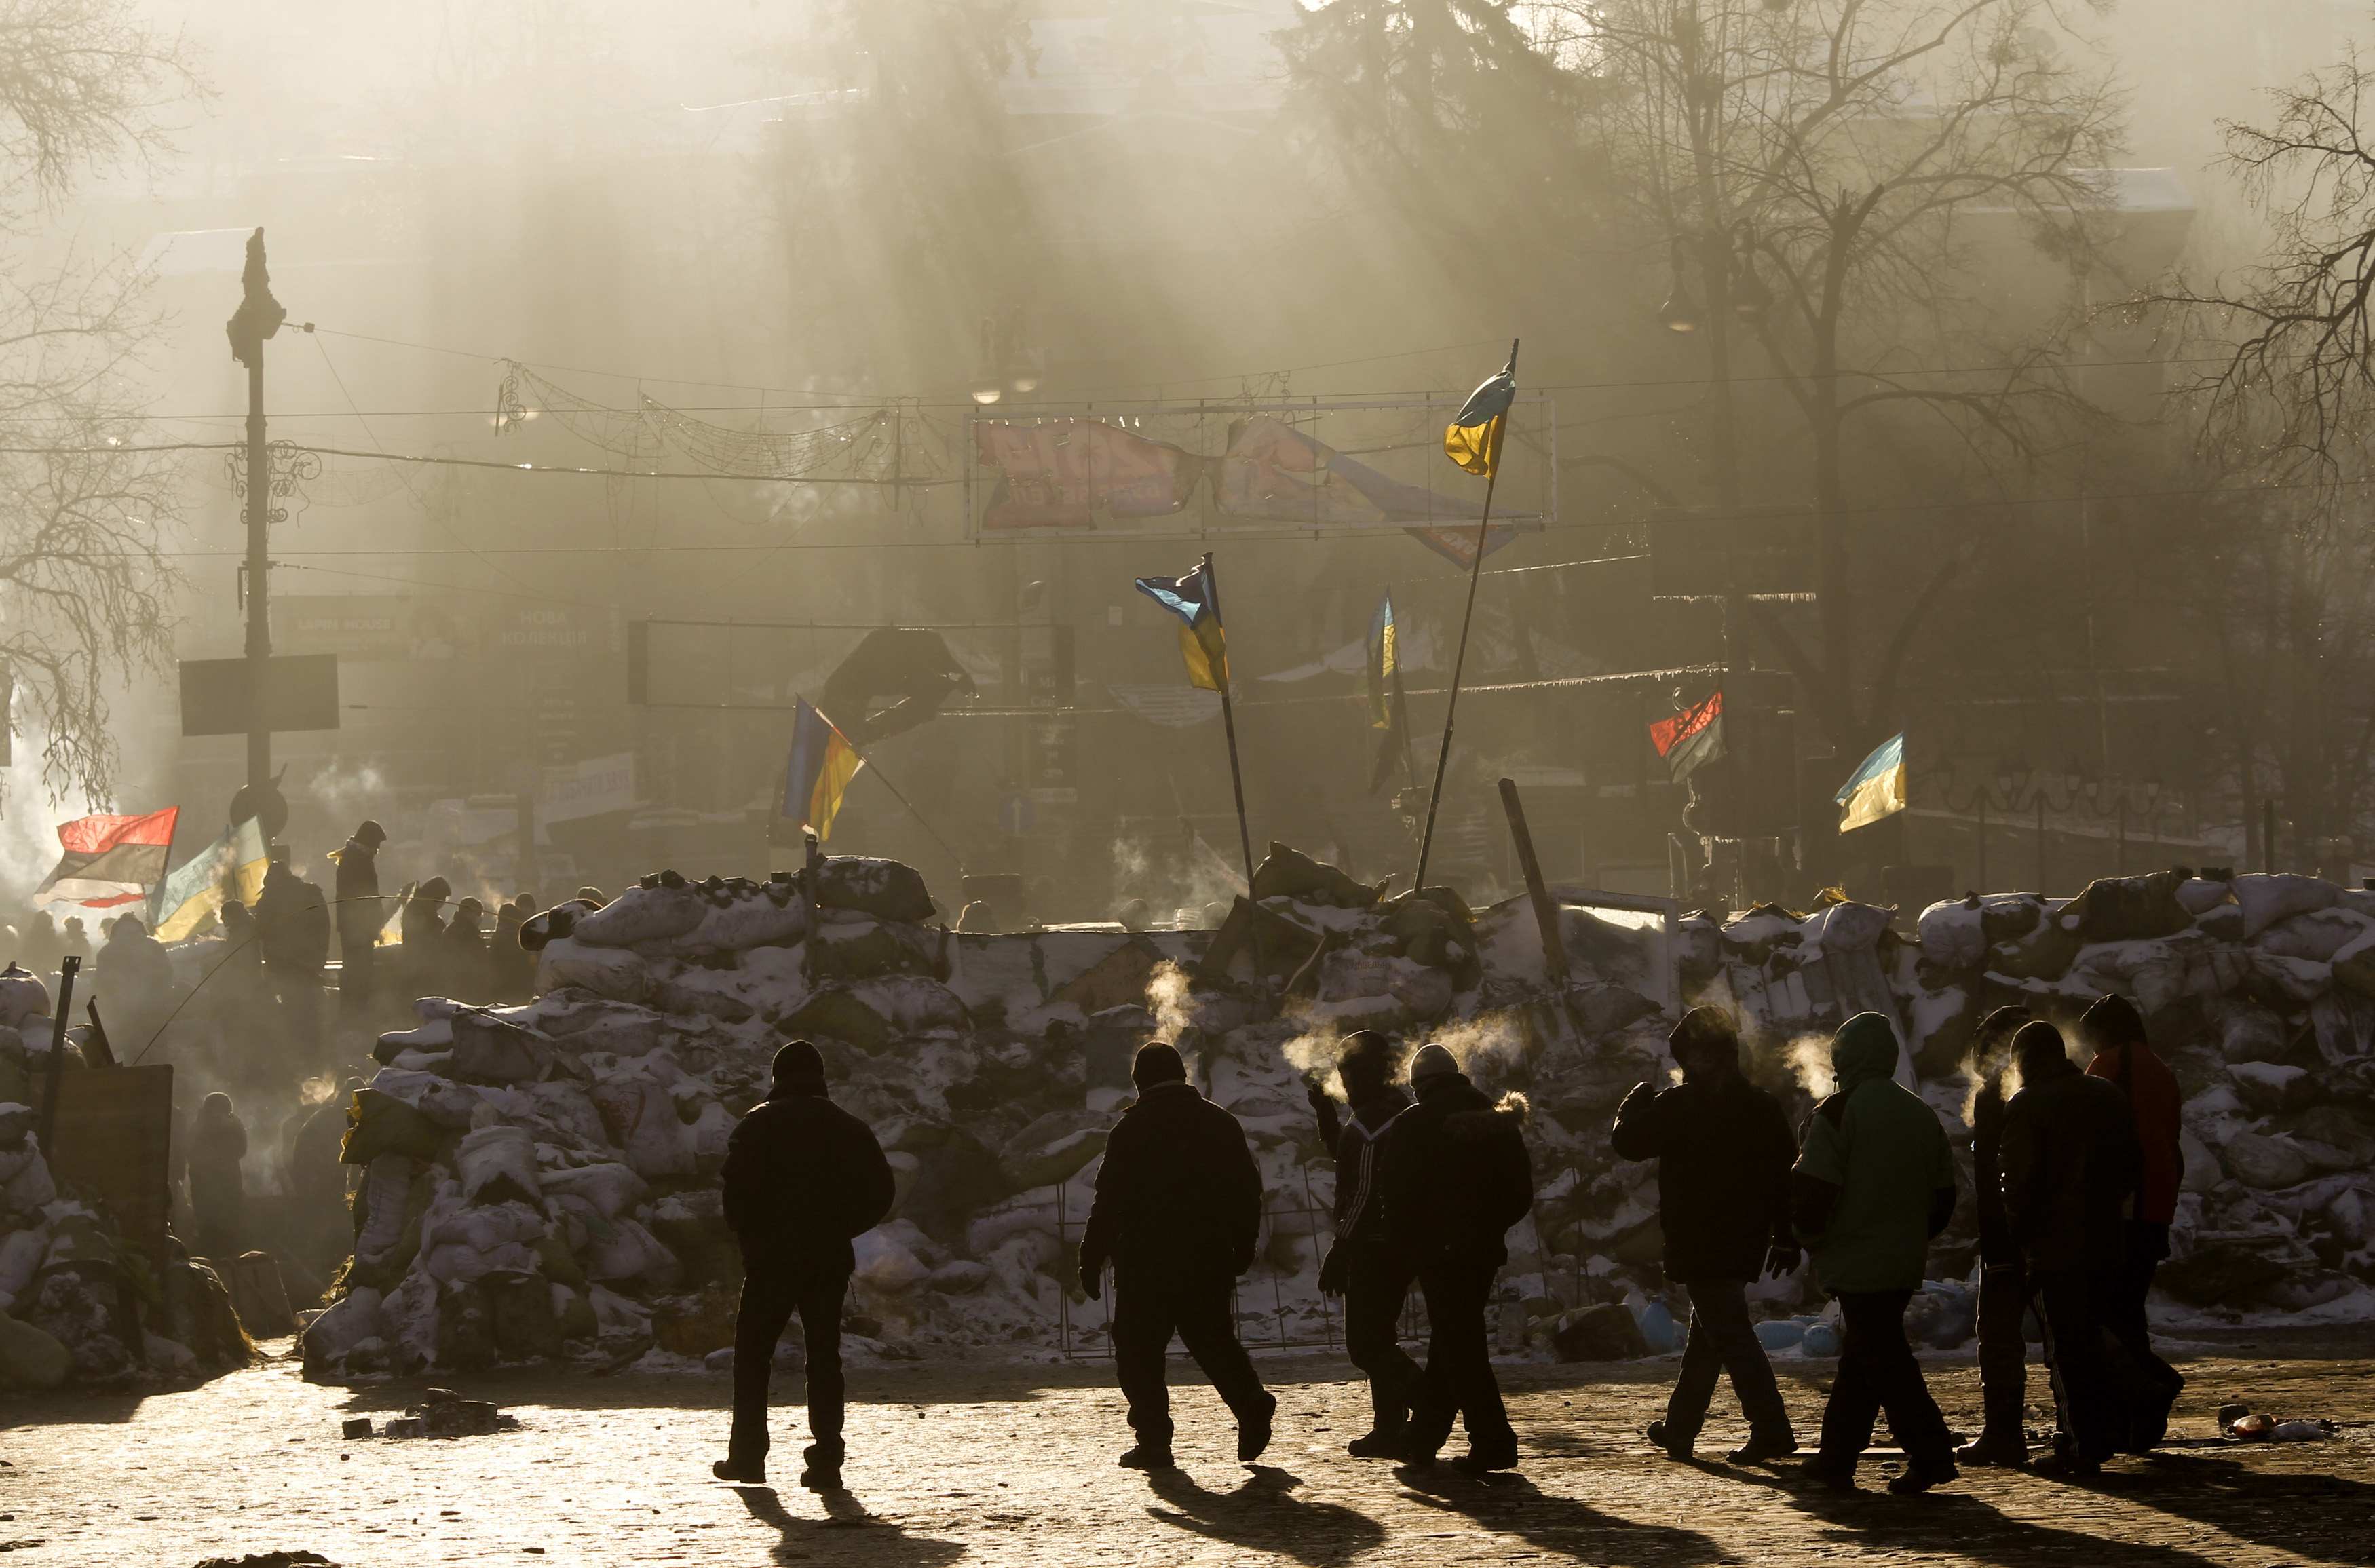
(1873, 1183)
(1177, 1209)
(2124, 1055)
(802, 1178)
(1457, 1177)
(2004, 1277)
(1363, 1268)
(1723, 1151)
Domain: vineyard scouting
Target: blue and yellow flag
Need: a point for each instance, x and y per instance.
(1195, 599)
(1473, 438)
(823, 761)
(1877, 788)
(190, 900)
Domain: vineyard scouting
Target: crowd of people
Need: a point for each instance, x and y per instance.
(2076, 1171)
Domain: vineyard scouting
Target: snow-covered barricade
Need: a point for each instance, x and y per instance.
(540, 1181)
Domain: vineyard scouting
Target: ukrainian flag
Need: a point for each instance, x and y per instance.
(823, 763)
(190, 900)
(1196, 600)
(1473, 438)
(1876, 789)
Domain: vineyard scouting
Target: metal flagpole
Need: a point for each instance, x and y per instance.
(921, 820)
(1459, 661)
(1229, 724)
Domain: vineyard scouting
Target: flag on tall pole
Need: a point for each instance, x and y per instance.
(1472, 441)
(1195, 598)
(1876, 789)
(1388, 709)
(822, 762)
(109, 862)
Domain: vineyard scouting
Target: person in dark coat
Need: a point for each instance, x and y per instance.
(1373, 1277)
(359, 915)
(2115, 1031)
(803, 1178)
(218, 1190)
(292, 920)
(2069, 1176)
(1457, 1176)
(1874, 1185)
(1723, 1148)
(2003, 1280)
(1177, 1208)
(463, 959)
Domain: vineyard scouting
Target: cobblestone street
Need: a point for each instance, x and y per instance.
(1014, 1465)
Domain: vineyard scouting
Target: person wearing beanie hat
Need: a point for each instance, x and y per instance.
(2070, 1161)
(2114, 1031)
(1723, 1149)
(359, 915)
(1875, 1182)
(1373, 1277)
(803, 1179)
(1457, 1176)
(1176, 1213)
(2003, 1282)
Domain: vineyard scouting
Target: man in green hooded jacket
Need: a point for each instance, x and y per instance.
(1873, 1183)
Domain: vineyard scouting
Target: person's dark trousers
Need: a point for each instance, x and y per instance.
(2148, 1385)
(771, 1293)
(2004, 1350)
(1877, 1373)
(1459, 1379)
(2069, 1303)
(358, 969)
(1724, 1339)
(1148, 1306)
(1376, 1285)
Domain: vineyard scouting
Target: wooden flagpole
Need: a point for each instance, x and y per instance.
(1229, 724)
(1459, 661)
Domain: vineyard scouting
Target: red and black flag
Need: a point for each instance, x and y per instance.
(1692, 737)
(110, 862)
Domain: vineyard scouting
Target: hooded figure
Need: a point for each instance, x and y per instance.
(1457, 1176)
(1723, 1151)
(2115, 1031)
(802, 1178)
(1873, 1183)
(2003, 1281)
(2069, 1176)
(463, 949)
(361, 914)
(135, 980)
(218, 1193)
(1371, 1274)
(1177, 1210)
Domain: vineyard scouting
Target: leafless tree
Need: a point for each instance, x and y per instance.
(1844, 181)
(86, 592)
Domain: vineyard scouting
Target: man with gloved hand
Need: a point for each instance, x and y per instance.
(1177, 1208)
(1723, 1151)
(1373, 1277)
(803, 1178)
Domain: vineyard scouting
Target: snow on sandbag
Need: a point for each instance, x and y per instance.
(1954, 935)
(619, 974)
(753, 920)
(640, 915)
(498, 1165)
(2264, 1163)
(384, 1202)
(2200, 895)
(911, 1004)
(489, 1050)
(1054, 1146)
(631, 1255)
(23, 997)
(838, 1012)
(351, 1319)
(862, 949)
(2045, 953)
(20, 1254)
(434, 1036)
(2296, 980)
(2268, 897)
(1290, 873)
(1847, 927)
(612, 1188)
(883, 889)
(439, 1097)
(2127, 909)
(640, 1115)
(616, 1314)
(1026, 1213)
(2319, 935)
(888, 1260)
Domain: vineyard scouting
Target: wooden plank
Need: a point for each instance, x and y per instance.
(114, 1137)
